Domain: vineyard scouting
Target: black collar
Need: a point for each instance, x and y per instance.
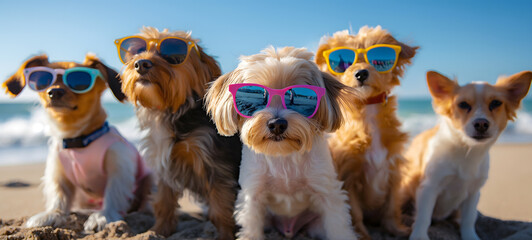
(85, 140)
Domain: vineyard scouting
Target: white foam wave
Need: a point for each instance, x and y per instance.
(18, 131)
(24, 140)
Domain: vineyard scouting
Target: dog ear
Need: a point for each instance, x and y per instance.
(440, 86)
(319, 58)
(219, 103)
(112, 77)
(210, 62)
(16, 82)
(338, 98)
(407, 52)
(516, 87)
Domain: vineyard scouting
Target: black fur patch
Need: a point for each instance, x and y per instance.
(15, 87)
(226, 151)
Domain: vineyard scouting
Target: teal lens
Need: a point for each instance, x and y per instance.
(341, 59)
(382, 58)
(78, 81)
(250, 99)
(301, 100)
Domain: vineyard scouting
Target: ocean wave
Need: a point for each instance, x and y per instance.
(19, 131)
(23, 139)
(32, 131)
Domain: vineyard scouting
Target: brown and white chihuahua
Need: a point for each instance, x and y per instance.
(449, 163)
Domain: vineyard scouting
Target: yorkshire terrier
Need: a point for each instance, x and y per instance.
(86, 157)
(165, 76)
(281, 104)
(367, 148)
(449, 163)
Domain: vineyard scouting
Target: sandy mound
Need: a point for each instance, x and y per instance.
(136, 225)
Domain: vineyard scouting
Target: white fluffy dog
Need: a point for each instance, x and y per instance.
(287, 175)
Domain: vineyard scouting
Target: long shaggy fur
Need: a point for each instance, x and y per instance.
(292, 179)
(367, 148)
(181, 143)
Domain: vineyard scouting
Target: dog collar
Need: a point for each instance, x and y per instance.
(85, 140)
(381, 98)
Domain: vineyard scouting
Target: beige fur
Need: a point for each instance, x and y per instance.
(294, 176)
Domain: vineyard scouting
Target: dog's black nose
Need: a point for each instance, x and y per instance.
(362, 75)
(56, 93)
(277, 126)
(481, 125)
(143, 66)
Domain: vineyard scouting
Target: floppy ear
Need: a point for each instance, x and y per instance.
(219, 103)
(209, 61)
(516, 87)
(338, 98)
(407, 52)
(16, 82)
(320, 59)
(440, 87)
(111, 76)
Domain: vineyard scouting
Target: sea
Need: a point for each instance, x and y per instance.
(23, 131)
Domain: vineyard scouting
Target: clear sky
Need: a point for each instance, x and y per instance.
(470, 40)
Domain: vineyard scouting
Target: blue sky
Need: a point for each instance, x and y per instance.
(470, 40)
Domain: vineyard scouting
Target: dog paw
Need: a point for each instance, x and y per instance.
(98, 220)
(54, 219)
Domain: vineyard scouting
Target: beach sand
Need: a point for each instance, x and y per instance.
(506, 196)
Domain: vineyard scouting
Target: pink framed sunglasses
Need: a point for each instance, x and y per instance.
(249, 98)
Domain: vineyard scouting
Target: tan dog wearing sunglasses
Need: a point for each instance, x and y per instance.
(367, 149)
(86, 157)
(165, 75)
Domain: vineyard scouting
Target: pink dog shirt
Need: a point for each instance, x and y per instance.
(84, 167)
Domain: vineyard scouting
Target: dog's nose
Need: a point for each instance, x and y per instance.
(143, 66)
(277, 126)
(481, 125)
(56, 93)
(362, 75)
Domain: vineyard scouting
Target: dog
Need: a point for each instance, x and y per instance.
(165, 76)
(367, 148)
(86, 156)
(287, 177)
(449, 163)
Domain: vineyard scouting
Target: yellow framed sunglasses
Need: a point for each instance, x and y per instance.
(174, 50)
(383, 57)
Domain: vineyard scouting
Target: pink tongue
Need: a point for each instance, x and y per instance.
(290, 226)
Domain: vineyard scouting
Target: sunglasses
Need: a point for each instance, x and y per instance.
(249, 98)
(174, 50)
(383, 57)
(78, 79)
